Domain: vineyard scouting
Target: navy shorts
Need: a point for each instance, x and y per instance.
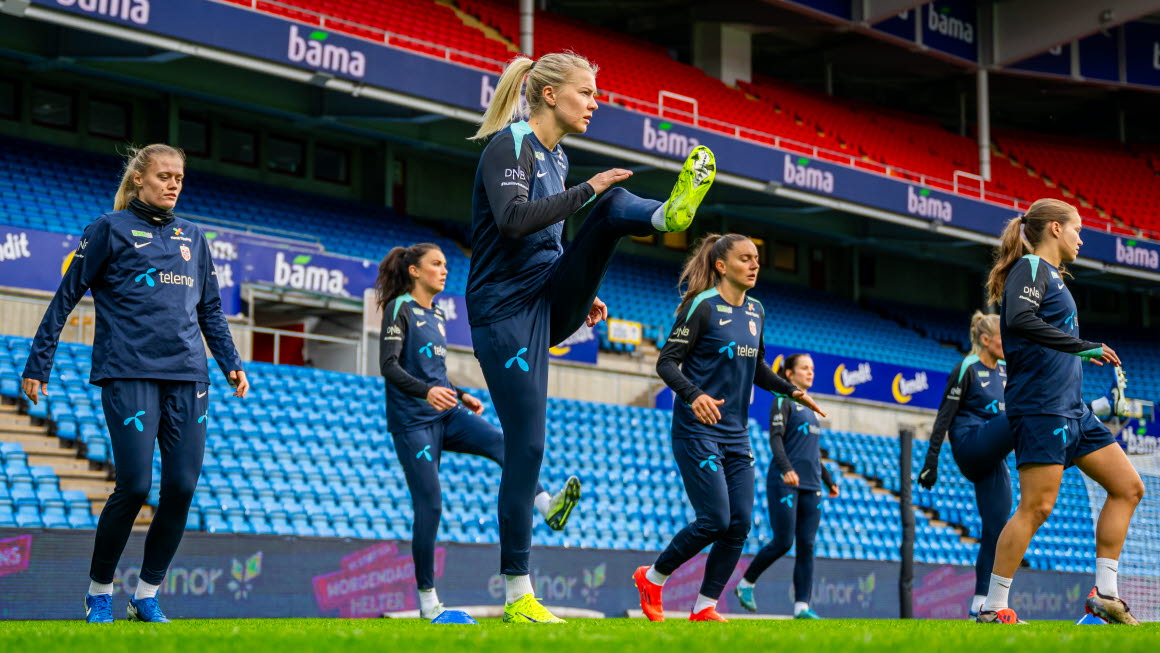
(1055, 440)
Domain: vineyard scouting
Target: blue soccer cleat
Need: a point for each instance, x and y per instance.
(99, 608)
(146, 610)
(745, 597)
(808, 613)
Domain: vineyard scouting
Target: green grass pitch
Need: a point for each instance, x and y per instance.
(588, 636)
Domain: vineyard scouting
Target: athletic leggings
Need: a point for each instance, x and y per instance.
(719, 481)
(513, 354)
(420, 452)
(794, 514)
(981, 454)
(139, 413)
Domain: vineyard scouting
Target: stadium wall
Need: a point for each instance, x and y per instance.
(244, 576)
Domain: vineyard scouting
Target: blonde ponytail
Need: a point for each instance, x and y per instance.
(1021, 236)
(700, 271)
(137, 161)
(982, 324)
(550, 70)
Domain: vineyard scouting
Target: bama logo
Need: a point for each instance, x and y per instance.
(15, 247)
(940, 21)
(1130, 253)
(664, 140)
(300, 275)
(920, 203)
(846, 381)
(134, 11)
(904, 389)
(311, 49)
(799, 173)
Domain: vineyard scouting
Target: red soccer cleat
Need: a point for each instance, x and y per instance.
(1004, 616)
(650, 595)
(708, 614)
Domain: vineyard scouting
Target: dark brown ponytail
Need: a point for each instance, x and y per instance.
(700, 271)
(394, 276)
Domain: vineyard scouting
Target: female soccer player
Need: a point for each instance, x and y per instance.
(1050, 423)
(713, 358)
(156, 295)
(525, 291)
(423, 412)
(972, 412)
(795, 491)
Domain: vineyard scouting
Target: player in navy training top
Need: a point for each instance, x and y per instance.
(424, 413)
(714, 356)
(526, 292)
(794, 491)
(972, 412)
(1051, 426)
(156, 296)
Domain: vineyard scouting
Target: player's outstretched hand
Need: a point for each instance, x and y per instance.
(1109, 356)
(596, 314)
(705, 408)
(240, 382)
(442, 398)
(473, 404)
(602, 181)
(804, 399)
(33, 388)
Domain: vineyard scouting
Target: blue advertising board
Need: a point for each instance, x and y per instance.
(1099, 56)
(262, 576)
(1142, 53)
(848, 378)
(900, 25)
(948, 25)
(1056, 61)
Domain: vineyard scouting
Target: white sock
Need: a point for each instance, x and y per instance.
(800, 607)
(543, 502)
(703, 602)
(744, 583)
(96, 588)
(977, 603)
(655, 577)
(1106, 569)
(1102, 407)
(428, 599)
(145, 591)
(658, 218)
(997, 594)
(517, 586)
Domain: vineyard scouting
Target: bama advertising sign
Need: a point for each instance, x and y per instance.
(847, 377)
(227, 576)
(948, 25)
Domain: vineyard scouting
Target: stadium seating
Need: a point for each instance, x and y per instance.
(289, 461)
(43, 194)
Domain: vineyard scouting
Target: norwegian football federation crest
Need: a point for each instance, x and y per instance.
(185, 254)
(752, 328)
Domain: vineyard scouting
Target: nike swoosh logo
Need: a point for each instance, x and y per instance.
(541, 174)
(140, 245)
(528, 618)
(202, 394)
(421, 323)
(723, 322)
(985, 384)
(1059, 286)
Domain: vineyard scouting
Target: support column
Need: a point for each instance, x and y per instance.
(983, 97)
(527, 21)
(724, 51)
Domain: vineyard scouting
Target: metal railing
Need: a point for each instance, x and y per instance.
(694, 118)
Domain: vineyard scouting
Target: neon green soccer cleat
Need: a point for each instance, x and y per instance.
(529, 611)
(562, 504)
(694, 181)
